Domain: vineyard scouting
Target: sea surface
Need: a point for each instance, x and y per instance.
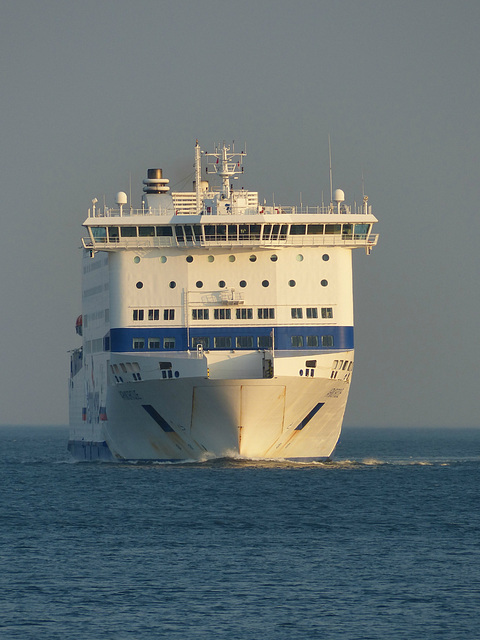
(381, 543)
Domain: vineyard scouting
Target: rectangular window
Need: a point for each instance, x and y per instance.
(222, 342)
(204, 342)
(179, 233)
(168, 314)
(297, 341)
(146, 232)
(264, 342)
(164, 232)
(327, 312)
(153, 314)
(169, 343)
(267, 230)
(137, 314)
(297, 230)
(333, 229)
(99, 234)
(312, 341)
(297, 312)
(197, 231)
(200, 314)
(128, 232)
(139, 343)
(327, 341)
(315, 229)
(113, 234)
(266, 314)
(222, 314)
(244, 314)
(361, 231)
(232, 232)
(312, 312)
(154, 343)
(244, 342)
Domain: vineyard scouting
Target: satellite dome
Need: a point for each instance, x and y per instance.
(121, 198)
(339, 195)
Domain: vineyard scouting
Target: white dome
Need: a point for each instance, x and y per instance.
(339, 195)
(121, 198)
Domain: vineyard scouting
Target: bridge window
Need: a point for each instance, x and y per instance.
(99, 234)
(315, 229)
(164, 231)
(146, 232)
(128, 232)
(298, 229)
(333, 229)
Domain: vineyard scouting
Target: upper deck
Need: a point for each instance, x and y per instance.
(223, 217)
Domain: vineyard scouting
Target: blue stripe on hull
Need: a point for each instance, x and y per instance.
(121, 339)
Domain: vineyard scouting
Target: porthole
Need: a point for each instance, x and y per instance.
(243, 283)
(136, 259)
(324, 283)
(172, 284)
(139, 285)
(221, 284)
(231, 258)
(163, 259)
(274, 257)
(210, 258)
(253, 258)
(265, 283)
(326, 257)
(199, 284)
(300, 257)
(177, 374)
(189, 258)
(291, 283)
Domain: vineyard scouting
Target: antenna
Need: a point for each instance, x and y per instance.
(363, 186)
(330, 162)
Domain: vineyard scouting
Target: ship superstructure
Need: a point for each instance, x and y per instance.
(213, 325)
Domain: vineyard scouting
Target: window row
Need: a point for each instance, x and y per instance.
(153, 343)
(311, 313)
(243, 283)
(233, 258)
(263, 313)
(233, 342)
(152, 314)
(228, 232)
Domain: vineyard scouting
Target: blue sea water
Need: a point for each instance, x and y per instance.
(383, 542)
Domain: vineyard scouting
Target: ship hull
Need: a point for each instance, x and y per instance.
(197, 419)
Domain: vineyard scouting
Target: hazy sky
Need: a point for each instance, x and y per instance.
(94, 91)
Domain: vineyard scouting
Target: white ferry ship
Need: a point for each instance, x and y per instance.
(213, 325)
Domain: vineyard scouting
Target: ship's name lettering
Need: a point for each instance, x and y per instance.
(334, 393)
(130, 395)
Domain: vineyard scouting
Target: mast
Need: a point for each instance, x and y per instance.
(198, 178)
